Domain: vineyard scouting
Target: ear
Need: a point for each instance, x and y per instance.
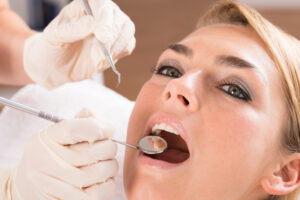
(285, 178)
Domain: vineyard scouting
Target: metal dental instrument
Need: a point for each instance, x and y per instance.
(106, 52)
(29, 110)
(148, 144)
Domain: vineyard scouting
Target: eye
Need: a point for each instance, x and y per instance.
(168, 71)
(235, 91)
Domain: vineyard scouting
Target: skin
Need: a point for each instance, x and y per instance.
(14, 32)
(234, 144)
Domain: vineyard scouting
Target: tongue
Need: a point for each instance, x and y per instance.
(172, 156)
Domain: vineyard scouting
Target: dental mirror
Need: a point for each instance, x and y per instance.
(148, 144)
(152, 144)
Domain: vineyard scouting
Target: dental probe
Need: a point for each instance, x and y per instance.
(107, 54)
(148, 144)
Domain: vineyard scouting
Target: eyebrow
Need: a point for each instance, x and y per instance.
(181, 49)
(234, 61)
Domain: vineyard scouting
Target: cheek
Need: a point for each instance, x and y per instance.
(242, 132)
(147, 103)
(235, 129)
(232, 145)
(246, 137)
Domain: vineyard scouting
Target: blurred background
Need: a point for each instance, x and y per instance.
(158, 24)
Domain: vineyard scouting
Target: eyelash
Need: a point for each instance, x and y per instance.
(245, 95)
(160, 71)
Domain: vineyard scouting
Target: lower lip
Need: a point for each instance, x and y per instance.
(158, 164)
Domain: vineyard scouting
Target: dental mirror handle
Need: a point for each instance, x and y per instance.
(106, 52)
(29, 110)
(143, 145)
(123, 143)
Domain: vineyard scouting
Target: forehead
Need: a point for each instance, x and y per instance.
(231, 40)
(226, 32)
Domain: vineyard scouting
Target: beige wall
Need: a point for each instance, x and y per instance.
(288, 20)
(162, 22)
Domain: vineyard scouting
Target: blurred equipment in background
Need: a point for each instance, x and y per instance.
(38, 13)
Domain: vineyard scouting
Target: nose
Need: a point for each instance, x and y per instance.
(182, 92)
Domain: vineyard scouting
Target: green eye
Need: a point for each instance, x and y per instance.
(168, 71)
(235, 91)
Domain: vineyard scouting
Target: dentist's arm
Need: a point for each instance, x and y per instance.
(73, 159)
(13, 34)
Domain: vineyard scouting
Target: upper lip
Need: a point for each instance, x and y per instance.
(169, 120)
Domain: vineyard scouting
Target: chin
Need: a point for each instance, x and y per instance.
(149, 178)
(141, 189)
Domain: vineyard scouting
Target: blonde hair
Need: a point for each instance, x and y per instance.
(285, 52)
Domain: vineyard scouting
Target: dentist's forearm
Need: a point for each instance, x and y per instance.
(14, 32)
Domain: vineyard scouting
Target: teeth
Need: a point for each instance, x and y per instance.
(158, 128)
(156, 132)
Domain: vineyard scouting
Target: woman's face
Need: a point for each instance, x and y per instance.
(216, 98)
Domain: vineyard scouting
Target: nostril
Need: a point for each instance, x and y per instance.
(186, 102)
(167, 95)
(183, 100)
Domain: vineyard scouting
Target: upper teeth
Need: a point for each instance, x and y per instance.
(158, 128)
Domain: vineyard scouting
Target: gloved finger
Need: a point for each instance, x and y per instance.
(85, 113)
(74, 131)
(119, 34)
(109, 30)
(88, 175)
(83, 154)
(56, 188)
(131, 45)
(125, 42)
(94, 174)
(100, 61)
(75, 30)
(78, 54)
(98, 58)
(44, 196)
(102, 64)
(107, 27)
(71, 24)
(97, 6)
(103, 191)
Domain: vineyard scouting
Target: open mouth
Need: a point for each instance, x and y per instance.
(177, 151)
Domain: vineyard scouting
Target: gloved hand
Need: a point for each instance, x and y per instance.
(67, 50)
(73, 159)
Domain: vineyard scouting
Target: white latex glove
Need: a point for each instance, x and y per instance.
(67, 50)
(73, 159)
